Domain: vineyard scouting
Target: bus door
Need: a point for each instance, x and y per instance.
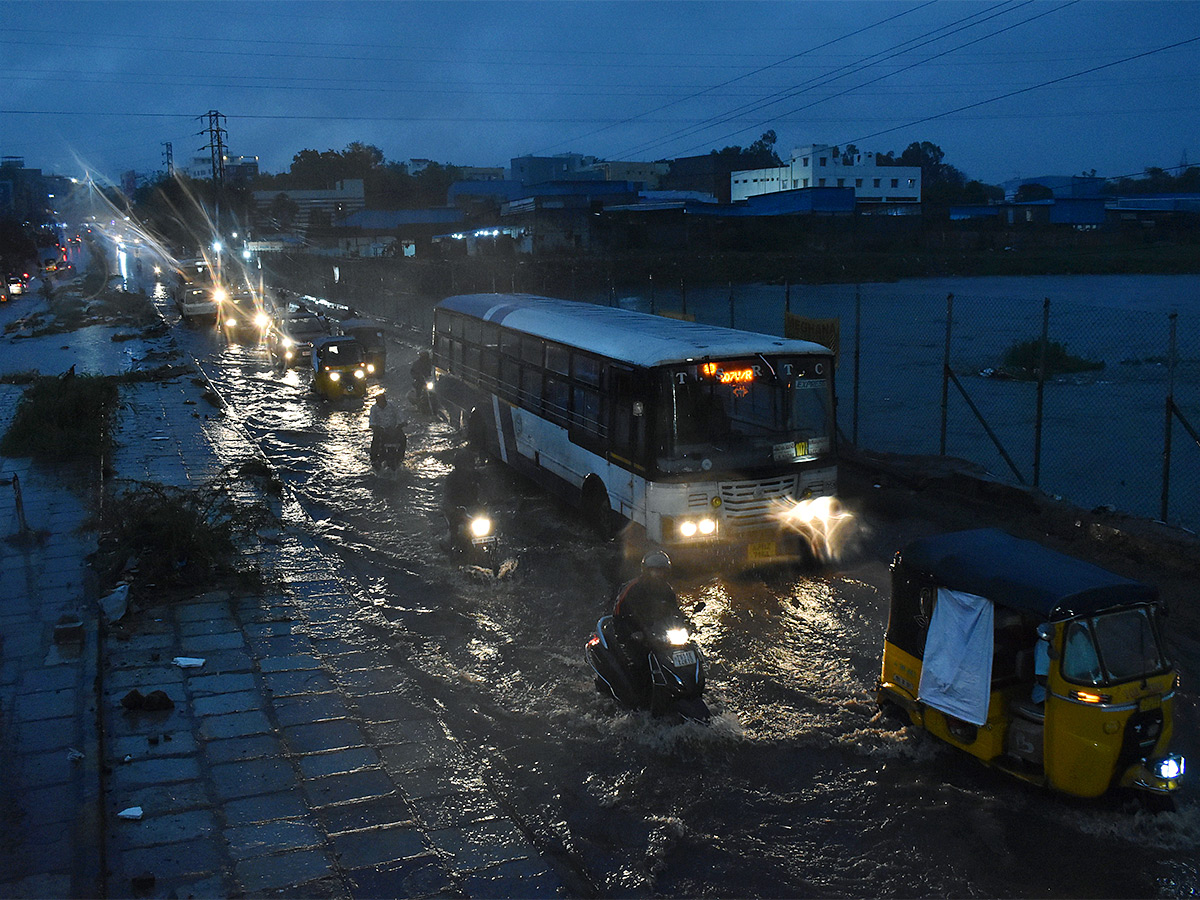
(626, 388)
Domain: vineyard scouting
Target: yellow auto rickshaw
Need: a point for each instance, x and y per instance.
(1036, 663)
(339, 367)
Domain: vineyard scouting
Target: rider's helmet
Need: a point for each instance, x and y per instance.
(656, 562)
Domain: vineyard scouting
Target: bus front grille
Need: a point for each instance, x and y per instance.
(751, 504)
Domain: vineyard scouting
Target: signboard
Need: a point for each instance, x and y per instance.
(826, 332)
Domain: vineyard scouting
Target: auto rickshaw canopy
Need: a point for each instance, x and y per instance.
(1021, 574)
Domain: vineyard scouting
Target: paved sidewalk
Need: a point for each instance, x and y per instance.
(299, 760)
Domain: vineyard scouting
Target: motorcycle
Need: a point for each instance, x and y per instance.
(664, 675)
(473, 533)
(422, 397)
(387, 451)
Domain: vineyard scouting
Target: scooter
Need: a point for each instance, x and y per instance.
(387, 452)
(664, 675)
(473, 533)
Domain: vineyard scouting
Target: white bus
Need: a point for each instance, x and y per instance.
(709, 438)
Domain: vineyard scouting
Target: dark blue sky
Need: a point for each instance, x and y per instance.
(1015, 88)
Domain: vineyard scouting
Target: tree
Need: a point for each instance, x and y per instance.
(1027, 193)
(759, 155)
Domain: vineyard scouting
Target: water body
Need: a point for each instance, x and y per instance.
(1103, 434)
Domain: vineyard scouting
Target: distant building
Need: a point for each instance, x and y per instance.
(819, 166)
(708, 174)
(237, 168)
(648, 174)
(529, 170)
(1078, 186)
(24, 193)
(402, 232)
(345, 198)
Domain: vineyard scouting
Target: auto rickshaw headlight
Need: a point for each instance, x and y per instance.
(335, 376)
(360, 374)
(1090, 697)
(1170, 767)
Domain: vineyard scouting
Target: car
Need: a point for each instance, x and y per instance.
(199, 303)
(17, 284)
(291, 337)
(242, 318)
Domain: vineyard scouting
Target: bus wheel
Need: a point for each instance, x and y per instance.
(597, 509)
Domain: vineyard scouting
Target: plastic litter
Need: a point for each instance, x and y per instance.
(188, 662)
(133, 812)
(115, 604)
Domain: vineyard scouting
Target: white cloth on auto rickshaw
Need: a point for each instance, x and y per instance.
(956, 674)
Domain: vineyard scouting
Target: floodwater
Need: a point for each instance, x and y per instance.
(797, 788)
(1103, 437)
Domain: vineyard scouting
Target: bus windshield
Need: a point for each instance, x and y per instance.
(746, 412)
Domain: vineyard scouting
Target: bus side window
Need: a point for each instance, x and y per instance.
(628, 415)
(557, 398)
(531, 389)
(510, 380)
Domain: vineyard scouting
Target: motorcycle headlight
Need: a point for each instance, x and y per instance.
(429, 385)
(481, 526)
(677, 637)
(359, 374)
(1170, 767)
(335, 376)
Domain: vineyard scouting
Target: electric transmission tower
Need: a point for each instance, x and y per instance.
(216, 145)
(169, 159)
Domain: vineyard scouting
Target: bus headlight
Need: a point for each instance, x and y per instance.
(707, 526)
(690, 528)
(687, 528)
(1170, 767)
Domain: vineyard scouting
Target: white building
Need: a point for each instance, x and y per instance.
(820, 166)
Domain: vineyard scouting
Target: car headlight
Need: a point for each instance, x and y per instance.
(360, 374)
(261, 320)
(231, 323)
(1170, 767)
(288, 342)
(370, 368)
(288, 354)
(335, 376)
(677, 637)
(481, 526)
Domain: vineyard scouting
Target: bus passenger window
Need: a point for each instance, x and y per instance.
(587, 410)
(557, 359)
(471, 363)
(510, 380)
(471, 331)
(489, 368)
(531, 388)
(489, 334)
(510, 344)
(557, 397)
(531, 350)
(587, 369)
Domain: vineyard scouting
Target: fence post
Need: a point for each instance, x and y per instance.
(787, 295)
(1170, 411)
(946, 369)
(1041, 390)
(652, 310)
(731, 304)
(857, 347)
(683, 296)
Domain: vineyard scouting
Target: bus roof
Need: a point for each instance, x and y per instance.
(1021, 574)
(634, 337)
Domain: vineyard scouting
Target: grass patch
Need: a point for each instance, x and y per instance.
(63, 417)
(183, 536)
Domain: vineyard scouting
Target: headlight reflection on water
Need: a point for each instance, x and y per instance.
(824, 522)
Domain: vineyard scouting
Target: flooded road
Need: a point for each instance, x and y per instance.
(797, 788)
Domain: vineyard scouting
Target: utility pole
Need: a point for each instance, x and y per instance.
(216, 147)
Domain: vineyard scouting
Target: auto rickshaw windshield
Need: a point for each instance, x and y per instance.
(1113, 648)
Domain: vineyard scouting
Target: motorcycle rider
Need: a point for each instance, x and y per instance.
(385, 422)
(462, 493)
(642, 605)
(421, 370)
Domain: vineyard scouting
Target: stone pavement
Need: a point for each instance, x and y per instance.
(300, 759)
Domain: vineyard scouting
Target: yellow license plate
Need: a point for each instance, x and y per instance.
(762, 550)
